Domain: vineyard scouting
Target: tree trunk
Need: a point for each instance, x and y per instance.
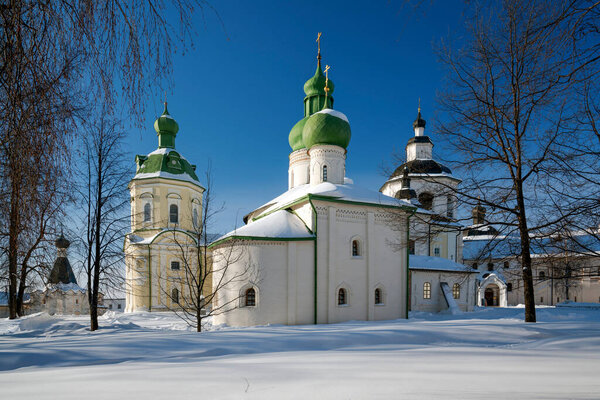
(525, 258)
(13, 240)
(97, 244)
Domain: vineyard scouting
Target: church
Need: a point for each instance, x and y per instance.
(324, 251)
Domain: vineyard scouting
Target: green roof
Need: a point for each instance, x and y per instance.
(295, 137)
(316, 85)
(326, 127)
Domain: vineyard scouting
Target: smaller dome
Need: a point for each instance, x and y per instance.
(295, 137)
(326, 127)
(166, 124)
(419, 122)
(316, 84)
(62, 242)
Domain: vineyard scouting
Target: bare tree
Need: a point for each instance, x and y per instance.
(104, 200)
(508, 107)
(204, 274)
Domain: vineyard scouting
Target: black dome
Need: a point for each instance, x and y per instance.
(422, 167)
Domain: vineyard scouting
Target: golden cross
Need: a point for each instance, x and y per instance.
(319, 43)
(327, 68)
(419, 104)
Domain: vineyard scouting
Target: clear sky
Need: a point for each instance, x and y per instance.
(238, 92)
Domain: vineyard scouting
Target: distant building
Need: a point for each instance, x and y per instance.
(117, 305)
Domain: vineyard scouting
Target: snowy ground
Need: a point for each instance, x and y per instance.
(488, 354)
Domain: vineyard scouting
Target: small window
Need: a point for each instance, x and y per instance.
(436, 251)
(342, 297)
(324, 173)
(450, 207)
(558, 299)
(173, 214)
(411, 247)
(541, 299)
(426, 200)
(110, 306)
(506, 265)
(490, 266)
(575, 299)
(175, 295)
(119, 306)
(475, 266)
(509, 287)
(175, 266)
(147, 212)
(250, 298)
(355, 248)
(456, 291)
(76, 301)
(195, 218)
(378, 296)
(542, 275)
(427, 290)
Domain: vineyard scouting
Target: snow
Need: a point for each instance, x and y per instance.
(348, 192)
(490, 353)
(280, 224)
(162, 174)
(65, 287)
(436, 264)
(334, 113)
(453, 307)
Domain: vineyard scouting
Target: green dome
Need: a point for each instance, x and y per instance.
(295, 137)
(166, 129)
(316, 84)
(326, 127)
(166, 124)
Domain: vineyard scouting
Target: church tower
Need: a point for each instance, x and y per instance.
(319, 140)
(166, 208)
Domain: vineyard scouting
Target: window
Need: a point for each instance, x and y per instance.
(426, 200)
(427, 290)
(450, 207)
(77, 301)
(506, 265)
(119, 306)
(542, 275)
(250, 298)
(342, 297)
(558, 299)
(355, 248)
(147, 212)
(475, 266)
(575, 299)
(175, 266)
(456, 291)
(378, 296)
(436, 251)
(411, 247)
(541, 299)
(490, 266)
(110, 306)
(175, 295)
(509, 287)
(195, 218)
(173, 214)
(324, 173)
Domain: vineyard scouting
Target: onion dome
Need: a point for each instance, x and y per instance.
(316, 85)
(405, 192)
(166, 129)
(326, 127)
(62, 242)
(295, 137)
(419, 122)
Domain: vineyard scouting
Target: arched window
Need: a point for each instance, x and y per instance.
(355, 248)
(195, 218)
(456, 291)
(173, 214)
(342, 297)
(427, 290)
(250, 297)
(175, 295)
(378, 296)
(426, 200)
(147, 212)
(542, 275)
(324, 173)
(450, 207)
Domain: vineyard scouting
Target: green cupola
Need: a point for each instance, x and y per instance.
(166, 129)
(327, 127)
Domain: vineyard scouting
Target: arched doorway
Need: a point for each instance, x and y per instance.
(491, 296)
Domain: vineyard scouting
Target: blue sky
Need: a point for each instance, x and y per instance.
(238, 92)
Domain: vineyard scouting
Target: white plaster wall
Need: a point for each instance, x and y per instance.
(298, 171)
(334, 157)
(437, 302)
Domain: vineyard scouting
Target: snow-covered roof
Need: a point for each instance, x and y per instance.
(436, 264)
(281, 224)
(65, 287)
(347, 191)
(335, 113)
(162, 174)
